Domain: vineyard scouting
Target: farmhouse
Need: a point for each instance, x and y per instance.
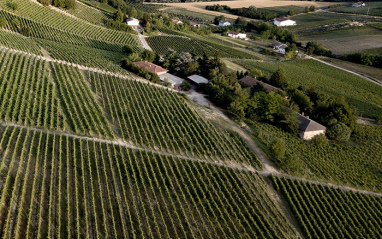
(175, 21)
(194, 24)
(151, 67)
(224, 23)
(247, 80)
(237, 35)
(196, 79)
(309, 128)
(281, 47)
(281, 22)
(359, 4)
(133, 22)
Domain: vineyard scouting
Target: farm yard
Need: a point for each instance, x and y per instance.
(89, 149)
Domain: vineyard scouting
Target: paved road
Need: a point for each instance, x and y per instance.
(143, 40)
(352, 72)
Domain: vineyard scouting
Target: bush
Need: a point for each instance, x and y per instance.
(379, 120)
(320, 141)
(127, 49)
(45, 2)
(3, 22)
(185, 86)
(279, 79)
(26, 31)
(15, 22)
(13, 6)
(339, 132)
(148, 55)
(278, 148)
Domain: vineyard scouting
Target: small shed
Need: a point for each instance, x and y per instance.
(359, 4)
(309, 128)
(174, 80)
(194, 24)
(175, 21)
(198, 79)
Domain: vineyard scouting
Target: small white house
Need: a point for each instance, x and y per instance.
(224, 23)
(282, 48)
(194, 24)
(282, 22)
(133, 22)
(175, 21)
(309, 128)
(359, 4)
(237, 35)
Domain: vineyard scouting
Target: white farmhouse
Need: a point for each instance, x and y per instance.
(133, 22)
(309, 128)
(176, 21)
(282, 48)
(237, 35)
(224, 23)
(359, 4)
(282, 22)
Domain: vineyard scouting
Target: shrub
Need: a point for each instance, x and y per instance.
(339, 132)
(127, 49)
(3, 22)
(279, 79)
(278, 148)
(320, 141)
(13, 6)
(26, 31)
(185, 86)
(15, 22)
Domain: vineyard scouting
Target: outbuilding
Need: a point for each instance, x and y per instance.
(282, 22)
(133, 22)
(309, 128)
(175, 21)
(198, 79)
(252, 82)
(359, 4)
(172, 79)
(237, 35)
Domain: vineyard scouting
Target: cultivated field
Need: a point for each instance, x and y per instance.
(371, 8)
(200, 6)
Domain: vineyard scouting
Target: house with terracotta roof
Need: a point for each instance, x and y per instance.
(194, 24)
(281, 22)
(249, 81)
(151, 67)
(237, 35)
(309, 128)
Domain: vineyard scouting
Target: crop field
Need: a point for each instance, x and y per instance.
(188, 15)
(86, 56)
(99, 5)
(371, 8)
(49, 17)
(157, 119)
(326, 212)
(85, 189)
(283, 10)
(326, 16)
(18, 42)
(356, 163)
(347, 41)
(90, 14)
(359, 93)
(180, 41)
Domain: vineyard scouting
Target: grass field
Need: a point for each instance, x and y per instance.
(372, 72)
(359, 93)
(371, 8)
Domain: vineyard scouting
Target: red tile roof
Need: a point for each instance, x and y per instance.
(234, 33)
(281, 19)
(150, 67)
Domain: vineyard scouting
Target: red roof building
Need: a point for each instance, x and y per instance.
(151, 67)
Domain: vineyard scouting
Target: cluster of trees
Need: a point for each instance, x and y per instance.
(118, 22)
(306, 10)
(269, 31)
(315, 48)
(250, 12)
(364, 59)
(68, 4)
(279, 107)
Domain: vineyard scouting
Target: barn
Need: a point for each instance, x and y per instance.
(309, 128)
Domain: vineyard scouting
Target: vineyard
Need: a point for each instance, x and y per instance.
(325, 212)
(356, 163)
(44, 15)
(87, 189)
(90, 14)
(156, 118)
(17, 42)
(359, 93)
